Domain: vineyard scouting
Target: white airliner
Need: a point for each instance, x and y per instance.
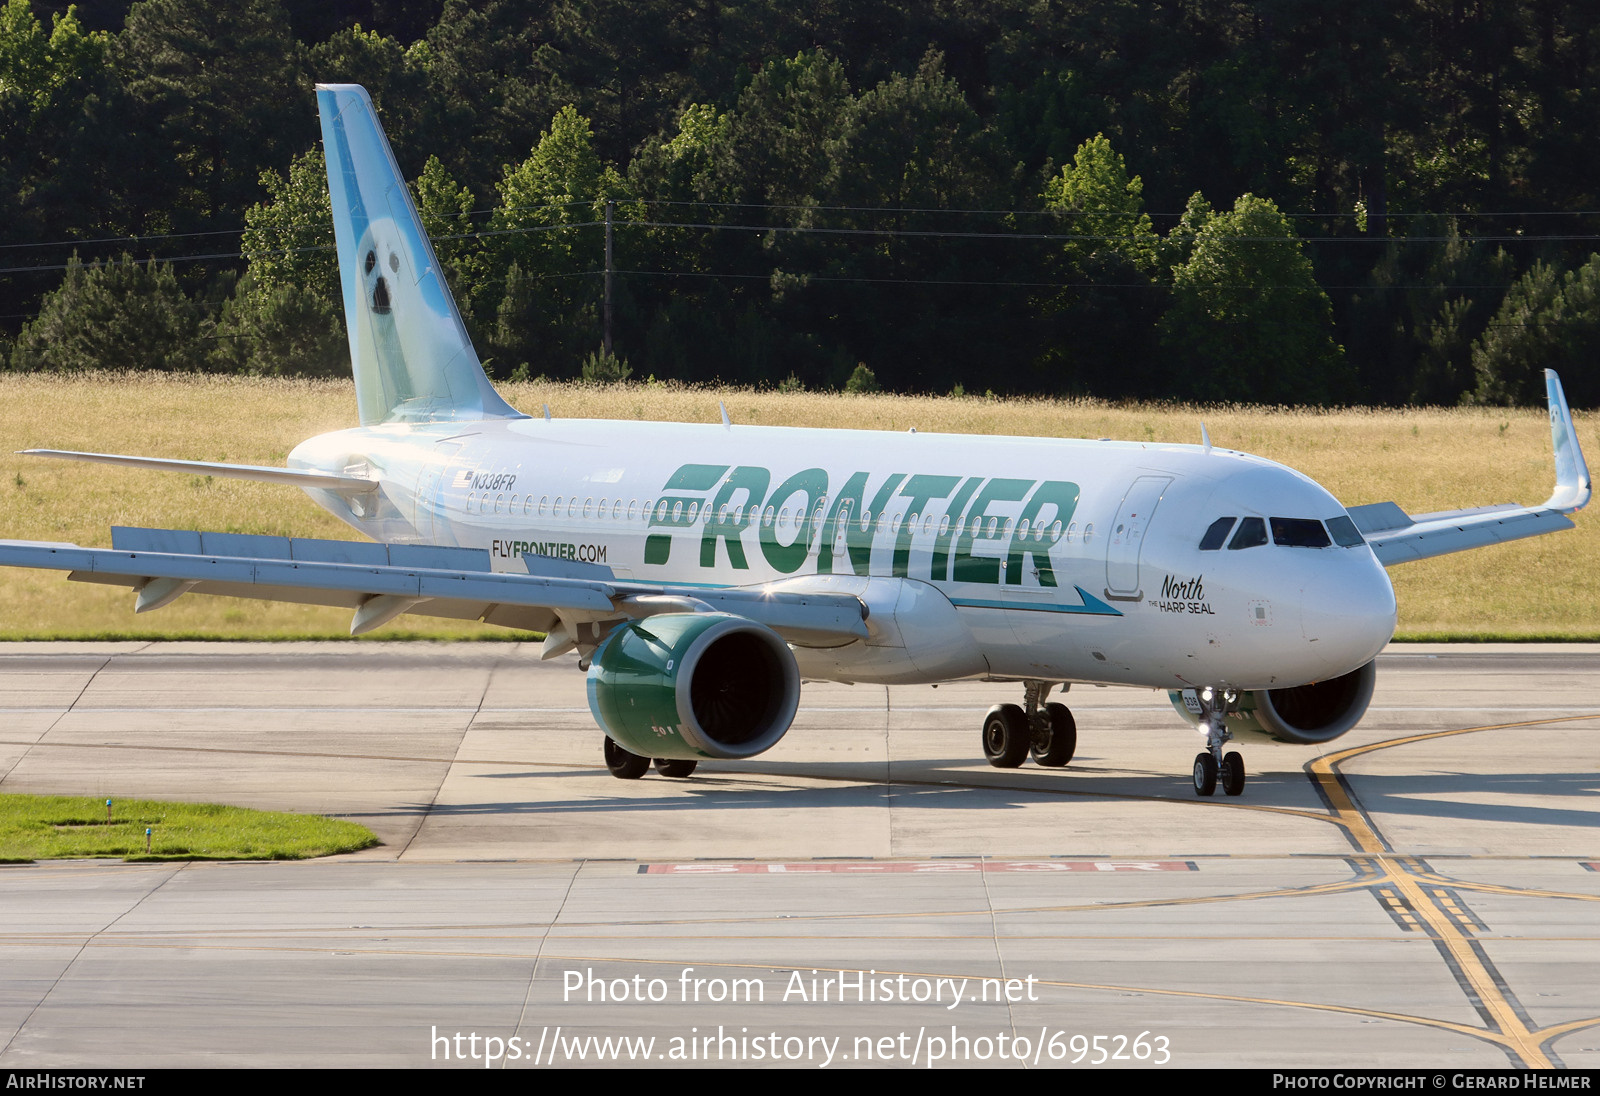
(701, 572)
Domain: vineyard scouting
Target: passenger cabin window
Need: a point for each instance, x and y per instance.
(1345, 533)
(1252, 531)
(1217, 534)
(1299, 533)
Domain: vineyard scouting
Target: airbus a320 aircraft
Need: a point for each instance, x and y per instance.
(701, 572)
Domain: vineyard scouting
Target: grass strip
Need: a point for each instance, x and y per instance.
(63, 827)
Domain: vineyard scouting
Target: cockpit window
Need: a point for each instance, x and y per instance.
(1299, 533)
(1252, 531)
(1345, 533)
(1216, 534)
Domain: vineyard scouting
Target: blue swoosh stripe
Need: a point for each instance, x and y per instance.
(1092, 606)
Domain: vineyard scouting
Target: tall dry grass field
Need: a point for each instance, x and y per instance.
(1429, 459)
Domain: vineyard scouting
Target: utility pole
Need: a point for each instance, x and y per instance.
(607, 344)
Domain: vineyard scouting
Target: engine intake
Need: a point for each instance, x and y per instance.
(694, 685)
(1305, 715)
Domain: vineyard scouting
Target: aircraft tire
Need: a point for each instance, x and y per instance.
(1233, 773)
(1062, 740)
(672, 766)
(1006, 737)
(623, 764)
(1205, 774)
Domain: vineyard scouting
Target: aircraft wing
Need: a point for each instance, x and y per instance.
(381, 581)
(1398, 537)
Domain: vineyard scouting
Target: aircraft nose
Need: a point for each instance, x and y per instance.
(1347, 613)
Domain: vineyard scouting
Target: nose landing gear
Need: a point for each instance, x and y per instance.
(1212, 764)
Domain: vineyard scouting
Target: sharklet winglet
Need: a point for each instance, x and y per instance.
(1573, 486)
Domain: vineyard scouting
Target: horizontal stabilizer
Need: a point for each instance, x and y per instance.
(261, 473)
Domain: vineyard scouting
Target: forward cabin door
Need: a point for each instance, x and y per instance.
(1125, 538)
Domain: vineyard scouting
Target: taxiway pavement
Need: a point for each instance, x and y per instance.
(1422, 892)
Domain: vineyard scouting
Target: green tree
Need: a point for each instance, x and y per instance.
(1104, 209)
(1108, 262)
(447, 211)
(396, 80)
(907, 151)
(1546, 321)
(1248, 320)
(602, 368)
(1179, 243)
(912, 142)
(684, 166)
(37, 69)
(57, 162)
(519, 336)
(862, 381)
(779, 147)
(547, 227)
(286, 316)
(219, 92)
(284, 330)
(288, 239)
(1411, 330)
(123, 315)
(489, 88)
(561, 183)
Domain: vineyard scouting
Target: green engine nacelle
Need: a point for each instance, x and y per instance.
(694, 685)
(1304, 715)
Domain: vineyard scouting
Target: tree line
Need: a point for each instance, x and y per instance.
(1376, 202)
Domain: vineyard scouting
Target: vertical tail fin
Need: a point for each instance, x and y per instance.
(409, 350)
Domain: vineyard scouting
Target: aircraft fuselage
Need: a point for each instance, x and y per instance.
(1063, 560)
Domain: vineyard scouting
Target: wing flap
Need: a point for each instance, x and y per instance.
(456, 583)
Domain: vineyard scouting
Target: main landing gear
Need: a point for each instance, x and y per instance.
(625, 765)
(1048, 731)
(1212, 764)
